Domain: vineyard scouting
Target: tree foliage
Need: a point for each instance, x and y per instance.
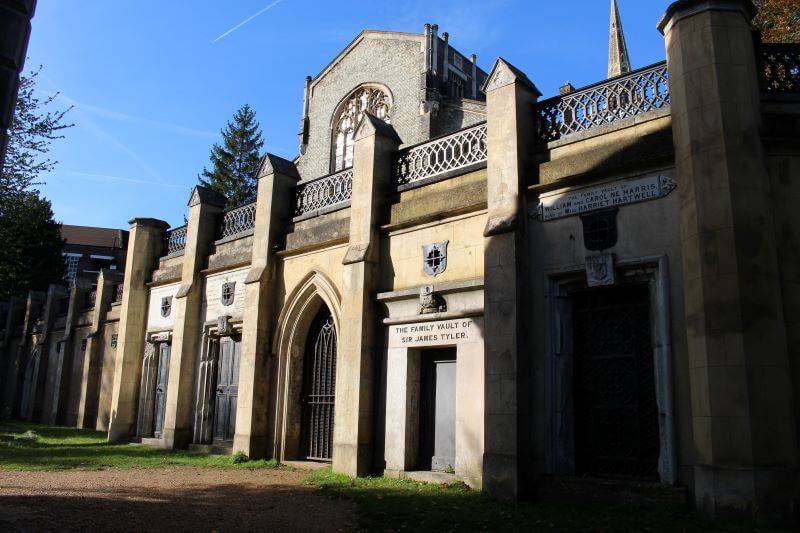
(34, 127)
(30, 245)
(30, 238)
(235, 163)
(778, 20)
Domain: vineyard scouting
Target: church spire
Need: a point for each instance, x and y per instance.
(618, 60)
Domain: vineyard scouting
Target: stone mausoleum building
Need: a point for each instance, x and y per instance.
(596, 289)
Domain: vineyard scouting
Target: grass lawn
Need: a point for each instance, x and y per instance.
(384, 504)
(25, 446)
(401, 505)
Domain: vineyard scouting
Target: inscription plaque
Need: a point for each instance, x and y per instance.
(559, 205)
(439, 333)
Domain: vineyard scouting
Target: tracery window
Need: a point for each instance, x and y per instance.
(371, 99)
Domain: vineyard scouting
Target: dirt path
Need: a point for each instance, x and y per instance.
(177, 499)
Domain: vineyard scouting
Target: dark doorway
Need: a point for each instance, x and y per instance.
(29, 385)
(437, 443)
(162, 377)
(319, 388)
(227, 389)
(616, 418)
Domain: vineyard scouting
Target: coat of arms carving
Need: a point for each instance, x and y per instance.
(434, 258)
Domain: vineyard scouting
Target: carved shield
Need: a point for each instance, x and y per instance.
(434, 258)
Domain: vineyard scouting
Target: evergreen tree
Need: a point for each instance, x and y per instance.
(235, 163)
(30, 239)
(30, 244)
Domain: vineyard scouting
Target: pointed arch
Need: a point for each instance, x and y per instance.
(294, 322)
(374, 98)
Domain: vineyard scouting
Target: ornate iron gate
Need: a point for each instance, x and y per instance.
(616, 418)
(319, 384)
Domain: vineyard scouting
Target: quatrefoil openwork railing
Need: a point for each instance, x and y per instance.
(237, 221)
(453, 152)
(623, 97)
(329, 191)
(175, 240)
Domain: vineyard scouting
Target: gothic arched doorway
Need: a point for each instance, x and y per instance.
(319, 388)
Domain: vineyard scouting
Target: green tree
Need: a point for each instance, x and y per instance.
(30, 238)
(235, 163)
(778, 20)
(30, 244)
(34, 127)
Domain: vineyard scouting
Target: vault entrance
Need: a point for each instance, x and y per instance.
(319, 388)
(438, 410)
(616, 416)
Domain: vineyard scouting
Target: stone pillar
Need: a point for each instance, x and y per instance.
(204, 206)
(65, 355)
(510, 127)
(87, 406)
(744, 424)
(42, 404)
(273, 209)
(145, 244)
(375, 143)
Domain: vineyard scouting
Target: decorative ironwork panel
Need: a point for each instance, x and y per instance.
(319, 388)
(455, 151)
(327, 191)
(780, 68)
(616, 418)
(176, 240)
(238, 220)
(623, 97)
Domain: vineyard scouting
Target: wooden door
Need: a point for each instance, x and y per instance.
(227, 390)
(162, 377)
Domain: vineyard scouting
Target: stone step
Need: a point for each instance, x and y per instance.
(211, 449)
(620, 492)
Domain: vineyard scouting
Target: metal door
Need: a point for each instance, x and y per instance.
(227, 390)
(319, 388)
(162, 377)
(616, 419)
(438, 410)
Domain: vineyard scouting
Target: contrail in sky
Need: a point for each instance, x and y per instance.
(273, 4)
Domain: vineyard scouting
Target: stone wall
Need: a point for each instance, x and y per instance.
(392, 60)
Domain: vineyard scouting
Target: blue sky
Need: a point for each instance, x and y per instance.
(153, 82)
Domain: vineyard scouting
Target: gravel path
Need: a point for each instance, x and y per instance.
(176, 499)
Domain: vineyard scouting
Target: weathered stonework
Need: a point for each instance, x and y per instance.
(650, 253)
